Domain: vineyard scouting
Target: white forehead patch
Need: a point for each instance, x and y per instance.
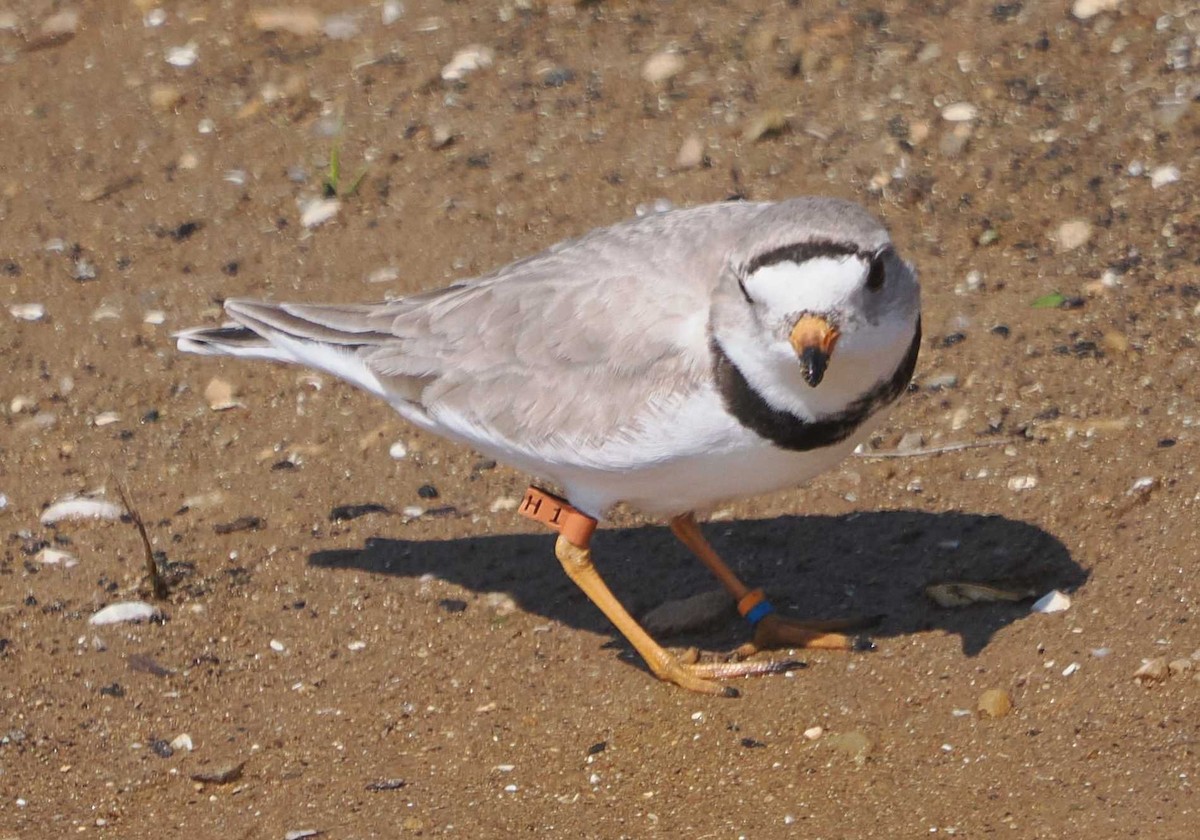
(816, 285)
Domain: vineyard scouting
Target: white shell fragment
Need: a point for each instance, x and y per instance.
(468, 60)
(81, 508)
(54, 557)
(317, 211)
(184, 56)
(27, 311)
(1052, 602)
(1161, 176)
(662, 67)
(960, 112)
(220, 395)
(125, 611)
(1073, 234)
(1087, 9)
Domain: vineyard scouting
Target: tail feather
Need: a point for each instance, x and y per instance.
(292, 334)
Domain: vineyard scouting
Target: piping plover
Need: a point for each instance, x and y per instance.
(670, 362)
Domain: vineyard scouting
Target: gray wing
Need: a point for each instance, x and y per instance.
(549, 357)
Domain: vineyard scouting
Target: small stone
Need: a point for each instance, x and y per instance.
(398, 451)
(500, 602)
(440, 136)
(960, 112)
(1073, 234)
(503, 504)
(468, 60)
(1161, 176)
(301, 21)
(82, 270)
(1052, 602)
(1180, 666)
(1088, 9)
(184, 56)
(220, 774)
(27, 311)
(182, 741)
(1153, 670)
(220, 395)
(125, 611)
(691, 153)
(60, 25)
(78, 507)
(356, 646)
(770, 123)
(302, 833)
(687, 614)
(277, 646)
(814, 732)
(105, 418)
(427, 491)
(1019, 483)
(315, 212)
(391, 12)
(53, 557)
(662, 67)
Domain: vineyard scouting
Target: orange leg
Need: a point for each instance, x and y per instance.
(771, 630)
(577, 562)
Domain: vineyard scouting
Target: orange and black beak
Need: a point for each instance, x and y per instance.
(813, 338)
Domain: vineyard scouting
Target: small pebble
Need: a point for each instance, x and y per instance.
(1019, 483)
(295, 21)
(1070, 669)
(1161, 176)
(356, 646)
(770, 123)
(27, 311)
(125, 611)
(397, 451)
(1088, 9)
(960, 112)
(1052, 602)
(427, 491)
(392, 11)
(1153, 670)
(662, 67)
(53, 557)
(184, 56)
(277, 646)
(220, 395)
(315, 212)
(220, 774)
(814, 732)
(504, 503)
(302, 833)
(1180, 666)
(182, 741)
(1073, 234)
(467, 60)
(81, 508)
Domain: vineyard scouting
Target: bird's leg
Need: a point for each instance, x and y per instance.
(771, 630)
(577, 562)
(572, 549)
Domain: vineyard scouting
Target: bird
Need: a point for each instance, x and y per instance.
(671, 362)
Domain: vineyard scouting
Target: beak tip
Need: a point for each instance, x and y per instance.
(813, 363)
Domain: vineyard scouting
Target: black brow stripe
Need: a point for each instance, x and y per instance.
(802, 251)
(788, 431)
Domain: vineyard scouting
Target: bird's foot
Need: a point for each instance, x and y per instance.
(702, 677)
(775, 631)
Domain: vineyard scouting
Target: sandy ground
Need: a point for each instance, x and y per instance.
(437, 674)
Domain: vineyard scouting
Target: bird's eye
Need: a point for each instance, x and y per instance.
(877, 272)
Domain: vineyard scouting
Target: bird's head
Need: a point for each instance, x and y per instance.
(825, 291)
